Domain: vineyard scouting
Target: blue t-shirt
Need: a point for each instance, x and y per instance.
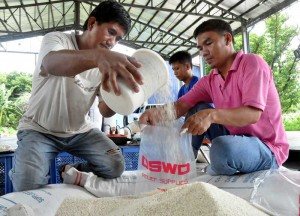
(183, 90)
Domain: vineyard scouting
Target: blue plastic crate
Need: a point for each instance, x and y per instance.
(5, 166)
(131, 156)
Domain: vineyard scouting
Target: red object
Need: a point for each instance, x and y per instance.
(118, 139)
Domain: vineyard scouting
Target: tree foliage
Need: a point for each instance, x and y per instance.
(20, 82)
(274, 47)
(14, 95)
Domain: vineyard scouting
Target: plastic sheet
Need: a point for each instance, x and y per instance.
(278, 192)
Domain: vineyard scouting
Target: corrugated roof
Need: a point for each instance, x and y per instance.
(165, 26)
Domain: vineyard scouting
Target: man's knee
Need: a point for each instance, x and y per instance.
(24, 181)
(224, 147)
(118, 167)
(222, 166)
(29, 173)
(115, 165)
(222, 155)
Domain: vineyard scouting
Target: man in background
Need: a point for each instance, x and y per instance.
(181, 63)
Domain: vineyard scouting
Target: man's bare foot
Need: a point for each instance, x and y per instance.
(66, 168)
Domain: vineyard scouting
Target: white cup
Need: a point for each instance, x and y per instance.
(155, 73)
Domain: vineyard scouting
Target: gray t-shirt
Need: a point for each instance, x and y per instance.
(59, 105)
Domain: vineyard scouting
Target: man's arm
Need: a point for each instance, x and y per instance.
(105, 110)
(181, 108)
(111, 64)
(164, 113)
(238, 117)
(68, 62)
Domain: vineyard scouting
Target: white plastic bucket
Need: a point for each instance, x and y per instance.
(155, 73)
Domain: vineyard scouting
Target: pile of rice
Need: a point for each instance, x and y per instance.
(192, 199)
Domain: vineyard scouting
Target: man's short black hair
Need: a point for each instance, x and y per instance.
(110, 11)
(216, 25)
(182, 57)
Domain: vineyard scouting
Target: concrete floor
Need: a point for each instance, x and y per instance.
(294, 140)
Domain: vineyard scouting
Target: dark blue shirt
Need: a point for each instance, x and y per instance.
(183, 90)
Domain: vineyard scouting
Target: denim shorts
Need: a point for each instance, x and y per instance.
(36, 150)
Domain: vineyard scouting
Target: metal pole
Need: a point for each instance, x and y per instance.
(245, 38)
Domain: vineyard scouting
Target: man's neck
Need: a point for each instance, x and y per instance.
(188, 81)
(80, 41)
(223, 71)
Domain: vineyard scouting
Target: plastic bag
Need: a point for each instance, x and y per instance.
(278, 192)
(166, 158)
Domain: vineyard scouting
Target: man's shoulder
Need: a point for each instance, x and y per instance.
(252, 57)
(58, 34)
(180, 92)
(182, 88)
(195, 78)
(253, 61)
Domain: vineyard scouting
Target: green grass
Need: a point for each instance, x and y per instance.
(291, 121)
(7, 131)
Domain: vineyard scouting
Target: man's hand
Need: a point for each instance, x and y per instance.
(198, 123)
(113, 65)
(238, 117)
(151, 116)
